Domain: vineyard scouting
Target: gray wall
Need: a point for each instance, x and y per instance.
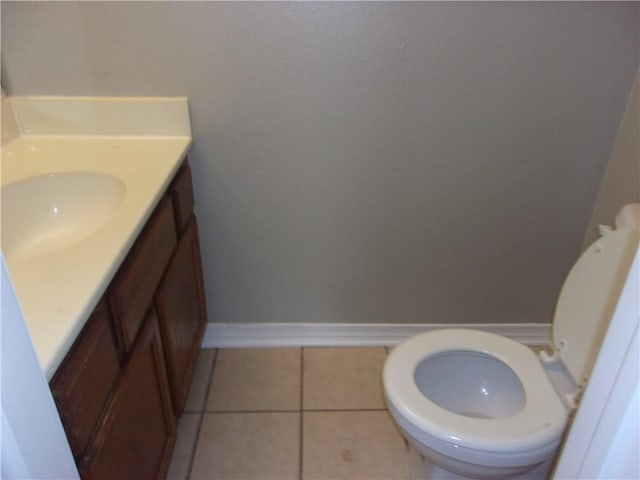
(621, 182)
(365, 162)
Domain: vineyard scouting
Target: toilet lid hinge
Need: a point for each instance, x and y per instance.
(555, 356)
(573, 399)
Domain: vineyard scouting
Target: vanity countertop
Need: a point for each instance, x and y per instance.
(125, 149)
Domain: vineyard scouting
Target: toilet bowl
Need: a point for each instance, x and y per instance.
(479, 405)
(475, 403)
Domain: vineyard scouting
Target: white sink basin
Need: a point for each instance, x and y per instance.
(46, 213)
(76, 191)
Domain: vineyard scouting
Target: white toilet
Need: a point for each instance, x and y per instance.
(478, 405)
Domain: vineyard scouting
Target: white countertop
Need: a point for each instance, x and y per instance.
(57, 291)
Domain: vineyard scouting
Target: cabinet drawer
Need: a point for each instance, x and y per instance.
(182, 196)
(136, 436)
(84, 381)
(132, 290)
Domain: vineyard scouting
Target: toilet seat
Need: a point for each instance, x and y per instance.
(538, 425)
(434, 375)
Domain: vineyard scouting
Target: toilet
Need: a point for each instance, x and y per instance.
(481, 406)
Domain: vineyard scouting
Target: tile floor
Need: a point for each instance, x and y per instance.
(289, 413)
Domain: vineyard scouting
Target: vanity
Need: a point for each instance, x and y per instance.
(109, 277)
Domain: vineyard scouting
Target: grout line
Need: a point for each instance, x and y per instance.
(224, 412)
(329, 410)
(210, 381)
(301, 417)
(301, 410)
(202, 413)
(213, 369)
(302, 379)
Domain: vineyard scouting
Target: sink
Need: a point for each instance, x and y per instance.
(47, 213)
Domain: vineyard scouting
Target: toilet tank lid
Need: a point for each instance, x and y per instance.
(588, 299)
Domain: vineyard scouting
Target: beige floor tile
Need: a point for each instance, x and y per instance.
(419, 467)
(185, 446)
(248, 446)
(200, 383)
(255, 379)
(343, 378)
(352, 445)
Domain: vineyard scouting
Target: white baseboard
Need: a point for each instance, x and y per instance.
(221, 335)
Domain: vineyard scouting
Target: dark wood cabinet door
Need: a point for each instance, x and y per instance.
(83, 383)
(138, 431)
(132, 290)
(182, 312)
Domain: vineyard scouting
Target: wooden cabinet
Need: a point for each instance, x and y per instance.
(138, 432)
(125, 380)
(135, 284)
(83, 384)
(182, 196)
(180, 298)
(181, 309)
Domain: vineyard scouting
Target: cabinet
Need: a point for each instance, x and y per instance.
(181, 310)
(139, 429)
(125, 380)
(84, 382)
(134, 286)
